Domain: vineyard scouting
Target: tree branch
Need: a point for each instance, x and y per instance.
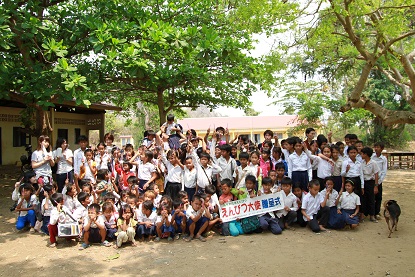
(409, 69)
(397, 80)
(392, 41)
(388, 117)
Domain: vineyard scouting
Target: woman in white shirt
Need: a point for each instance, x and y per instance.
(42, 160)
(64, 158)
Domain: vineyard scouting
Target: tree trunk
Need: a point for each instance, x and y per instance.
(160, 105)
(390, 135)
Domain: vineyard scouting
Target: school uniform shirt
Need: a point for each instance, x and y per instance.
(102, 161)
(311, 204)
(324, 168)
(337, 169)
(78, 157)
(108, 222)
(99, 220)
(214, 201)
(355, 170)
(42, 208)
(62, 165)
(174, 172)
(80, 212)
(286, 155)
(348, 201)
(27, 204)
(169, 127)
(147, 142)
(256, 169)
(290, 201)
(228, 168)
(44, 169)
(70, 202)
(191, 212)
(299, 163)
(60, 217)
(141, 217)
(204, 175)
(88, 172)
(157, 200)
(242, 173)
(383, 166)
(189, 178)
(369, 169)
(331, 201)
(275, 162)
(145, 171)
(160, 218)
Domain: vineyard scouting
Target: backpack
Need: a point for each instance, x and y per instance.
(250, 224)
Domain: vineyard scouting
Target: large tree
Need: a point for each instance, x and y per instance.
(172, 54)
(44, 50)
(177, 54)
(343, 42)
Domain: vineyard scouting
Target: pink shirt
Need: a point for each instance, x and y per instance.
(226, 198)
(265, 166)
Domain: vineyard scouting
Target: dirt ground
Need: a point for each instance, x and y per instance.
(365, 251)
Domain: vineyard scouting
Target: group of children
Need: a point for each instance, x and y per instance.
(174, 184)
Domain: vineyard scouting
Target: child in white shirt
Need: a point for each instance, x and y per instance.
(288, 215)
(314, 209)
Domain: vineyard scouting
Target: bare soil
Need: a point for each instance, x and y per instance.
(365, 251)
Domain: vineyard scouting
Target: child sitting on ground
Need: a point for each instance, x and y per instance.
(268, 221)
(146, 219)
(46, 208)
(233, 227)
(197, 219)
(348, 204)
(314, 209)
(163, 223)
(26, 207)
(178, 218)
(110, 220)
(288, 215)
(335, 221)
(59, 214)
(94, 228)
(126, 227)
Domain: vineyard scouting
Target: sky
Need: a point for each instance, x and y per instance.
(260, 101)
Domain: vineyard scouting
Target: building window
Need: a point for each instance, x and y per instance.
(279, 135)
(77, 135)
(63, 133)
(20, 137)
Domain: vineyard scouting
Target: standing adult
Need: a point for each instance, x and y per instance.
(64, 158)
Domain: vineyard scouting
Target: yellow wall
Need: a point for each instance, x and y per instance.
(252, 132)
(9, 118)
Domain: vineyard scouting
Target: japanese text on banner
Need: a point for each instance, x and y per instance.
(251, 206)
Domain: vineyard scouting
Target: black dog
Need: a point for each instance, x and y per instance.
(392, 212)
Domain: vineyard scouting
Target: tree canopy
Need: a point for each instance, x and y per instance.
(172, 54)
(343, 43)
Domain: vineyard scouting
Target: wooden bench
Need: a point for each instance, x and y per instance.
(401, 160)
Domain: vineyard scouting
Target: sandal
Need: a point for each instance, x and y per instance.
(188, 239)
(202, 239)
(105, 243)
(83, 246)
